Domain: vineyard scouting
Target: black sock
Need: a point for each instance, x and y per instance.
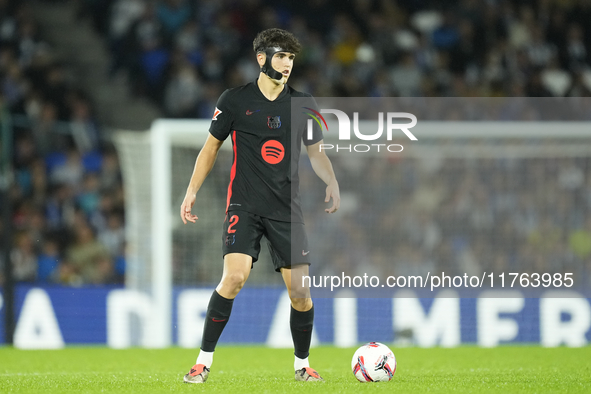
(218, 313)
(301, 324)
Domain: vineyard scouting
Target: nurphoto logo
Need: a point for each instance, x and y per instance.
(344, 125)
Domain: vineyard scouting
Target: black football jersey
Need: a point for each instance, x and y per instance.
(264, 176)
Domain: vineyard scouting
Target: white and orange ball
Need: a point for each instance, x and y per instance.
(374, 362)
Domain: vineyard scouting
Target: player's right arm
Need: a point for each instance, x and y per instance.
(221, 124)
(203, 165)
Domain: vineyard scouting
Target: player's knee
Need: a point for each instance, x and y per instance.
(298, 294)
(301, 304)
(235, 280)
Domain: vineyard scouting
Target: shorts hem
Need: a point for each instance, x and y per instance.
(278, 269)
(254, 259)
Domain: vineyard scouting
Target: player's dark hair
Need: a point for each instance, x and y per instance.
(276, 38)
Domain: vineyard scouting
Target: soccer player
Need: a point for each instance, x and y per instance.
(257, 117)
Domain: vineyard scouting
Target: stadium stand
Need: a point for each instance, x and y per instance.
(182, 54)
(67, 196)
(178, 51)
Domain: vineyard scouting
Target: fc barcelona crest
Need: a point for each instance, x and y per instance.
(274, 122)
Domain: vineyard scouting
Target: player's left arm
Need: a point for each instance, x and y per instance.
(323, 168)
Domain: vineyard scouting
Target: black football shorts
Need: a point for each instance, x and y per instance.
(243, 231)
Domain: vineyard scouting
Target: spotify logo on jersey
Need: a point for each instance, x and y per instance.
(272, 151)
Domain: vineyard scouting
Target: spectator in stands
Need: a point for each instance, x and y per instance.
(173, 14)
(124, 14)
(87, 261)
(48, 262)
(89, 197)
(85, 131)
(183, 92)
(69, 170)
(110, 173)
(580, 240)
(24, 259)
(48, 138)
(113, 236)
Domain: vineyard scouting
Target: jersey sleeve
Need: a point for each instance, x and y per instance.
(317, 123)
(222, 121)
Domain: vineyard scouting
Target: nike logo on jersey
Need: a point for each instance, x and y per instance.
(304, 253)
(249, 112)
(218, 320)
(216, 113)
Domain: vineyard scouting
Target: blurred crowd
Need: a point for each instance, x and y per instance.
(67, 197)
(433, 209)
(68, 223)
(183, 53)
(413, 215)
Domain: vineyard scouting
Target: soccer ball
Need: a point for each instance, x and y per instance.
(373, 362)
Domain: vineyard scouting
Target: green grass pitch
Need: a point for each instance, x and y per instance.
(241, 369)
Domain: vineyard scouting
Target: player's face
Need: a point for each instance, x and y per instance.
(283, 62)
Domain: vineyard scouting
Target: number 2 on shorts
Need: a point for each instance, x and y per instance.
(233, 220)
